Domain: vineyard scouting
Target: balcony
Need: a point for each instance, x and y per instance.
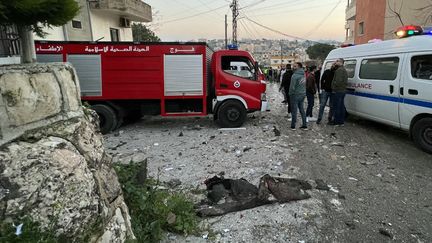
(351, 11)
(135, 10)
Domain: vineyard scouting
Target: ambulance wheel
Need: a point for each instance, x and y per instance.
(107, 118)
(422, 134)
(231, 113)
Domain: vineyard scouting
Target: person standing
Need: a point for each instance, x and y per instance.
(310, 92)
(318, 82)
(297, 93)
(282, 71)
(285, 85)
(339, 85)
(281, 88)
(326, 93)
(318, 77)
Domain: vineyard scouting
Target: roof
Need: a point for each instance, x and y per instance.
(410, 44)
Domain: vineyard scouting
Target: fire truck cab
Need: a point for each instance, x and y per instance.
(129, 80)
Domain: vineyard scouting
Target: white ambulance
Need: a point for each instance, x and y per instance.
(391, 82)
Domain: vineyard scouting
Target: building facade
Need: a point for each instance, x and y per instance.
(98, 20)
(378, 19)
(102, 20)
(276, 62)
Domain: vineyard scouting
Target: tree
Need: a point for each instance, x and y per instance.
(319, 51)
(141, 32)
(32, 15)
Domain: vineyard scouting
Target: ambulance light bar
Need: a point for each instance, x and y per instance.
(427, 30)
(409, 30)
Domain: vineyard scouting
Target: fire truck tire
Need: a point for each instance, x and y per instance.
(231, 113)
(422, 134)
(107, 118)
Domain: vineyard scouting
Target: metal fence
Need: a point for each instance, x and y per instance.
(9, 41)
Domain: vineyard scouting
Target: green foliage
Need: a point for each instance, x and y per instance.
(140, 32)
(37, 13)
(31, 232)
(319, 51)
(154, 211)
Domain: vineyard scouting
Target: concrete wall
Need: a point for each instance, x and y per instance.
(49, 93)
(372, 14)
(10, 60)
(410, 14)
(53, 164)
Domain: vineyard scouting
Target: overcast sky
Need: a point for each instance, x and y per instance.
(192, 19)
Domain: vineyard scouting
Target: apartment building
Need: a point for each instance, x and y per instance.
(277, 61)
(102, 20)
(377, 19)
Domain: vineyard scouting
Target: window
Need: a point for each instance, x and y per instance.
(239, 66)
(421, 67)
(114, 34)
(76, 24)
(379, 68)
(361, 28)
(350, 67)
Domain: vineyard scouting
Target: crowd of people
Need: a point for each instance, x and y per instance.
(298, 83)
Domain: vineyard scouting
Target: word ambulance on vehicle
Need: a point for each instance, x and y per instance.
(391, 82)
(129, 80)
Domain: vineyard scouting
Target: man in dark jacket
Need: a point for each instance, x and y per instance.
(285, 84)
(339, 85)
(326, 93)
(310, 91)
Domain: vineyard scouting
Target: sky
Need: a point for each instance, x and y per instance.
(183, 20)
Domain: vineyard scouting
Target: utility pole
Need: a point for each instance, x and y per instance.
(226, 31)
(235, 13)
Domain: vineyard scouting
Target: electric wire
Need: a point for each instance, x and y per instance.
(279, 32)
(294, 10)
(324, 19)
(195, 15)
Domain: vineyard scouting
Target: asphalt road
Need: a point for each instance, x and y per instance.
(381, 183)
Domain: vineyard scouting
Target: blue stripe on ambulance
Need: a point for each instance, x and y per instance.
(392, 99)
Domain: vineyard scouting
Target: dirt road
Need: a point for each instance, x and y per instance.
(381, 183)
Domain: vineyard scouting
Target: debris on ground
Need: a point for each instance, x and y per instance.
(385, 233)
(230, 195)
(321, 185)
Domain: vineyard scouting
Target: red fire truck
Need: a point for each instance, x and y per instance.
(129, 80)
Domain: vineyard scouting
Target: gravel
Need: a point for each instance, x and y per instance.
(348, 159)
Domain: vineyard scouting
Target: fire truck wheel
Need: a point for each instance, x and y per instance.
(231, 113)
(422, 134)
(107, 118)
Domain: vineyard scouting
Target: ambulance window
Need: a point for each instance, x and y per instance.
(238, 66)
(350, 67)
(421, 67)
(379, 68)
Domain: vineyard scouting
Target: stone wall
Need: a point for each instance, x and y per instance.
(53, 166)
